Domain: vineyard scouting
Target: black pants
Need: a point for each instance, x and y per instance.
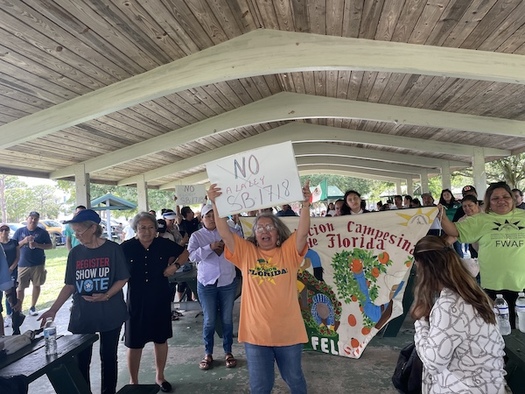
(510, 297)
(108, 361)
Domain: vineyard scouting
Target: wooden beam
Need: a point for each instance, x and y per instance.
(363, 164)
(263, 52)
(290, 106)
(348, 171)
(323, 149)
(202, 177)
(293, 106)
(283, 134)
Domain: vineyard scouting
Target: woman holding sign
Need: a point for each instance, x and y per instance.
(271, 325)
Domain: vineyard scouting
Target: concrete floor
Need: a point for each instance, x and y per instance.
(324, 373)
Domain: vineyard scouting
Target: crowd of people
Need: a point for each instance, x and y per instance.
(153, 249)
(455, 358)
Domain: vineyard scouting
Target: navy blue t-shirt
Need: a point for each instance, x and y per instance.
(32, 257)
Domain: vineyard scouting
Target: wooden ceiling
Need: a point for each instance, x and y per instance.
(151, 90)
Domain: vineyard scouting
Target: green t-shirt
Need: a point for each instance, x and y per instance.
(68, 232)
(501, 241)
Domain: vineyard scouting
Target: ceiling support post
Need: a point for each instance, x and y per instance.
(142, 194)
(424, 182)
(82, 186)
(446, 182)
(478, 171)
(410, 186)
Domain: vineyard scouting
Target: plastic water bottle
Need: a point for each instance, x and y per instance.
(502, 316)
(50, 337)
(520, 312)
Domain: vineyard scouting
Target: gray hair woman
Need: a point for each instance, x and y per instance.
(151, 261)
(283, 232)
(271, 325)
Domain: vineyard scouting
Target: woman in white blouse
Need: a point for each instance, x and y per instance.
(456, 337)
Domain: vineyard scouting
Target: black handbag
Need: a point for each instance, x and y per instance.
(409, 371)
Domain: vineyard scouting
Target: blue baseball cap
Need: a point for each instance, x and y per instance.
(85, 215)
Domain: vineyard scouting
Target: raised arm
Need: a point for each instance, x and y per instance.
(304, 220)
(448, 227)
(222, 224)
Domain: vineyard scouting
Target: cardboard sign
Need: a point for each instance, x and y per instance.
(190, 194)
(256, 179)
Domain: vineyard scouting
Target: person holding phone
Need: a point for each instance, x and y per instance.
(216, 287)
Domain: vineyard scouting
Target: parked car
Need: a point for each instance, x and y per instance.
(14, 227)
(54, 228)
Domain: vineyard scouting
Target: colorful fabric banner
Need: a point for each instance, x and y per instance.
(366, 261)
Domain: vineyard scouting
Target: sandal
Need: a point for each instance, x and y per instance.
(231, 362)
(206, 363)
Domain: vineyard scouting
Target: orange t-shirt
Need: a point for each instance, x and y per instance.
(270, 312)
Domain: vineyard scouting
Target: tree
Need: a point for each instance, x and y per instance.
(363, 186)
(511, 169)
(17, 199)
(157, 199)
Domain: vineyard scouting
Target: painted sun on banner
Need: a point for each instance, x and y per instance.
(364, 262)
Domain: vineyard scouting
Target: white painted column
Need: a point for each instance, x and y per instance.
(398, 187)
(142, 195)
(478, 169)
(82, 192)
(446, 181)
(424, 182)
(410, 186)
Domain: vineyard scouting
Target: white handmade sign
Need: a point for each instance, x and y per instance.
(256, 179)
(190, 194)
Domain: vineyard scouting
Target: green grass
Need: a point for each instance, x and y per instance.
(56, 268)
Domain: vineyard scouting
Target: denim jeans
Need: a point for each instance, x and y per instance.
(108, 358)
(14, 276)
(216, 300)
(260, 361)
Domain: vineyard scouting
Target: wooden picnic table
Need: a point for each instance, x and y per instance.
(515, 367)
(61, 369)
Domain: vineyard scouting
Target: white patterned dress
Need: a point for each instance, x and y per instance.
(461, 353)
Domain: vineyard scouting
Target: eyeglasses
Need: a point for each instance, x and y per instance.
(77, 233)
(267, 228)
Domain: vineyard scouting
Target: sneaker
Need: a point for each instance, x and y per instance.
(32, 311)
(7, 321)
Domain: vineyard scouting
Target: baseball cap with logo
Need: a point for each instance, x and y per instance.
(468, 189)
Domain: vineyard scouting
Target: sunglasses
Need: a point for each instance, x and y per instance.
(4, 229)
